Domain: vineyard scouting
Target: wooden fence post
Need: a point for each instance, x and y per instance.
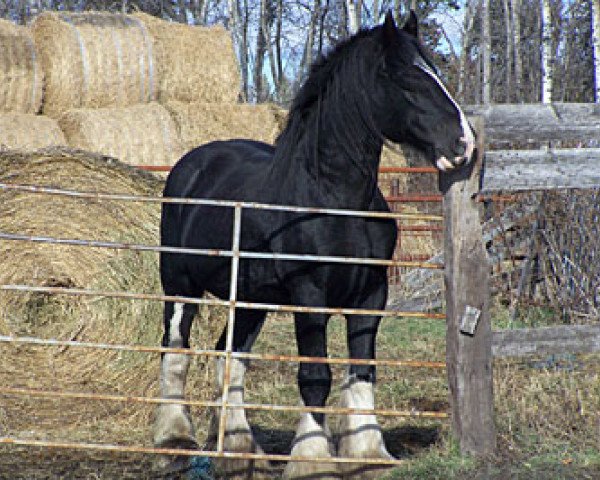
(468, 334)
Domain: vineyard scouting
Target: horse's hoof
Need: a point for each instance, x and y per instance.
(311, 471)
(364, 471)
(312, 440)
(173, 466)
(239, 468)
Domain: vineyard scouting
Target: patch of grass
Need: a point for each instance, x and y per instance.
(441, 462)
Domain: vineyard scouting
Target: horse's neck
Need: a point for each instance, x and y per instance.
(342, 177)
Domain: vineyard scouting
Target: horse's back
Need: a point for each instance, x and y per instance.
(215, 169)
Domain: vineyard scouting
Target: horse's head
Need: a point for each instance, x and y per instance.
(414, 105)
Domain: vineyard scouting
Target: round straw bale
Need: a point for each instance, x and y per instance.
(138, 135)
(23, 131)
(199, 123)
(21, 78)
(86, 319)
(194, 64)
(94, 60)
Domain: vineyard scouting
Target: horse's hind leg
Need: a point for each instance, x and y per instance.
(173, 426)
(238, 435)
(313, 438)
(360, 435)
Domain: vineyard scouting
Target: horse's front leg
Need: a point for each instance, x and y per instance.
(173, 426)
(360, 435)
(313, 438)
(238, 436)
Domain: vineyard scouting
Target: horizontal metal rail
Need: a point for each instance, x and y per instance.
(215, 203)
(219, 253)
(28, 392)
(211, 301)
(190, 453)
(168, 168)
(220, 353)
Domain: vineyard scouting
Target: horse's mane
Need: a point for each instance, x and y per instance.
(347, 72)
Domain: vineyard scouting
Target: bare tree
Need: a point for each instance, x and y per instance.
(515, 12)
(469, 16)
(595, 4)
(486, 48)
(546, 28)
(354, 13)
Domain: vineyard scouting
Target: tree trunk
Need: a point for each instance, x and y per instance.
(310, 40)
(546, 28)
(509, 50)
(240, 42)
(261, 48)
(486, 48)
(515, 12)
(353, 8)
(375, 12)
(596, 41)
(469, 17)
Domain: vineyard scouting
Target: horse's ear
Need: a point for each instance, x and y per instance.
(390, 30)
(412, 24)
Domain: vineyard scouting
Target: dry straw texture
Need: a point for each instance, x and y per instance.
(199, 123)
(22, 131)
(194, 64)
(86, 319)
(94, 60)
(138, 135)
(68, 317)
(21, 78)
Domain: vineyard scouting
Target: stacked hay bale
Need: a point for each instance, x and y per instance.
(24, 131)
(94, 60)
(20, 72)
(21, 87)
(138, 135)
(200, 123)
(193, 64)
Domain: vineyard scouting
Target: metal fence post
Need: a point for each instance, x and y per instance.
(235, 263)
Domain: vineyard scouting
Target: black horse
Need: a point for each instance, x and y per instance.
(377, 85)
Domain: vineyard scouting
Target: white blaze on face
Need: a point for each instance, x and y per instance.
(468, 136)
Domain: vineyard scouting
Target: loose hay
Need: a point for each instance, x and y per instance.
(94, 60)
(87, 319)
(138, 135)
(193, 64)
(21, 77)
(199, 123)
(22, 131)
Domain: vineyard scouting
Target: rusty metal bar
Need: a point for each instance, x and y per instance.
(167, 168)
(408, 170)
(419, 228)
(217, 252)
(23, 392)
(216, 203)
(211, 301)
(219, 353)
(190, 453)
(414, 197)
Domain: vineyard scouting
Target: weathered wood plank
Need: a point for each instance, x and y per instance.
(546, 341)
(468, 357)
(527, 123)
(520, 170)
